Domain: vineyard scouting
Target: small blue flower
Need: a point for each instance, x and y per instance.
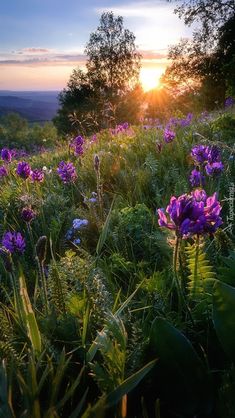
(79, 223)
(69, 234)
(77, 241)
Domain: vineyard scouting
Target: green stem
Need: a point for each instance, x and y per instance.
(43, 284)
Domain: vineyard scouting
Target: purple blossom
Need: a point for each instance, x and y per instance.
(6, 155)
(196, 178)
(200, 153)
(214, 154)
(37, 175)
(214, 168)
(23, 169)
(229, 102)
(3, 171)
(192, 214)
(67, 172)
(168, 135)
(28, 215)
(77, 145)
(77, 241)
(14, 242)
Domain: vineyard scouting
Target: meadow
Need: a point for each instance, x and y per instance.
(117, 261)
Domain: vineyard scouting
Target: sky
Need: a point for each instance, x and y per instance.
(42, 41)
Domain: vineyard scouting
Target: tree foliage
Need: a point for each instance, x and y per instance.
(204, 66)
(94, 98)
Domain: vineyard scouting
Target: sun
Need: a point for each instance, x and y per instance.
(150, 78)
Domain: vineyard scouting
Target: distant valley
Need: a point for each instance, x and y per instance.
(35, 106)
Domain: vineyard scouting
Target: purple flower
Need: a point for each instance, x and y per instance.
(168, 135)
(214, 168)
(13, 242)
(229, 102)
(28, 215)
(77, 241)
(191, 214)
(77, 145)
(196, 179)
(3, 171)
(37, 175)
(214, 154)
(200, 153)
(23, 169)
(67, 172)
(6, 155)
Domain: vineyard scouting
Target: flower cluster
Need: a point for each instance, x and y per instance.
(67, 172)
(208, 158)
(77, 225)
(23, 170)
(77, 145)
(168, 135)
(192, 214)
(121, 128)
(27, 214)
(14, 242)
(6, 155)
(37, 175)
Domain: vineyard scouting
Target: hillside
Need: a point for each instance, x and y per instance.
(35, 106)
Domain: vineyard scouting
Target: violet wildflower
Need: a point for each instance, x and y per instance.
(28, 215)
(200, 153)
(3, 171)
(37, 175)
(93, 198)
(13, 242)
(77, 145)
(214, 168)
(196, 178)
(214, 154)
(79, 223)
(77, 241)
(69, 234)
(67, 172)
(169, 135)
(23, 169)
(190, 216)
(6, 155)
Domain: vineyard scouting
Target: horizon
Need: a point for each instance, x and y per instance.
(42, 43)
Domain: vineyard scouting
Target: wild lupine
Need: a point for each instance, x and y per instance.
(79, 223)
(213, 169)
(168, 135)
(190, 215)
(6, 155)
(67, 172)
(3, 171)
(196, 178)
(23, 169)
(37, 175)
(77, 145)
(27, 214)
(14, 242)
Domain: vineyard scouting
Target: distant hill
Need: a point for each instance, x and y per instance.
(35, 106)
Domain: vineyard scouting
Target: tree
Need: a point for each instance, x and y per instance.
(112, 72)
(204, 65)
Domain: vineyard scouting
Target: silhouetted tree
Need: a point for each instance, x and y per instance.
(112, 70)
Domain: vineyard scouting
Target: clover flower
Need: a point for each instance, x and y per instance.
(37, 175)
(67, 172)
(3, 171)
(28, 215)
(14, 242)
(192, 214)
(196, 178)
(168, 135)
(214, 168)
(23, 170)
(6, 155)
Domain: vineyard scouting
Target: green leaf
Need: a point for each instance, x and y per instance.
(29, 318)
(224, 316)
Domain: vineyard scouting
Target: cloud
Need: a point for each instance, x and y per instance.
(35, 51)
(144, 9)
(45, 56)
